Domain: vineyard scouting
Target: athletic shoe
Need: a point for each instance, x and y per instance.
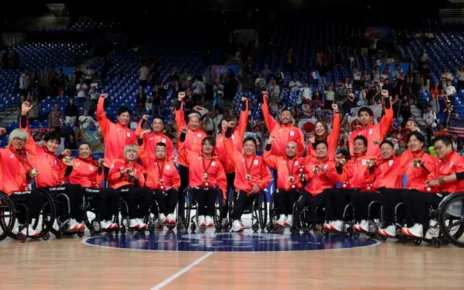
(289, 221)
(281, 221)
(237, 226)
(209, 221)
(201, 221)
(171, 219)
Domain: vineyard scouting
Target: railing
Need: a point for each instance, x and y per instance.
(452, 14)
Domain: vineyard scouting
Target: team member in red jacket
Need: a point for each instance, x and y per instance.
(236, 139)
(283, 132)
(193, 143)
(419, 202)
(150, 138)
(322, 134)
(206, 177)
(164, 180)
(15, 175)
(52, 170)
(88, 173)
(373, 133)
(289, 180)
(353, 176)
(251, 175)
(389, 184)
(126, 177)
(115, 136)
(417, 166)
(321, 173)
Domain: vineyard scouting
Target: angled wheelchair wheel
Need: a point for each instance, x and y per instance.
(7, 215)
(451, 218)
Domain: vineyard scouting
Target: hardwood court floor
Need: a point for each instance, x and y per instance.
(71, 264)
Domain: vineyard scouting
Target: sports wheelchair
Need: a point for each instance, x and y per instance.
(191, 204)
(257, 207)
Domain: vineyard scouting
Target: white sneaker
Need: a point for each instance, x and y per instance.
(171, 219)
(162, 219)
(356, 226)
(134, 223)
(281, 221)
(237, 226)
(337, 226)
(29, 231)
(433, 231)
(106, 225)
(289, 221)
(209, 221)
(416, 231)
(143, 225)
(73, 225)
(364, 226)
(225, 223)
(390, 231)
(201, 221)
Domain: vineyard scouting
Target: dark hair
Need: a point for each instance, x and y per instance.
(360, 137)
(365, 109)
(285, 109)
(228, 119)
(250, 139)
(387, 142)
(418, 135)
(321, 142)
(84, 143)
(210, 140)
(160, 144)
(445, 139)
(52, 136)
(123, 109)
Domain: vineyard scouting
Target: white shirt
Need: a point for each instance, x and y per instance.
(329, 95)
(451, 90)
(307, 93)
(429, 118)
(294, 86)
(82, 90)
(460, 76)
(143, 73)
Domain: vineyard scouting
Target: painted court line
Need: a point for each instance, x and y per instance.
(182, 271)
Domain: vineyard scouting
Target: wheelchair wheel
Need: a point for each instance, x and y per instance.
(451, 218)
(7, 215)
(57, 200)
(262, 211)
(218, 212)
(417, 241)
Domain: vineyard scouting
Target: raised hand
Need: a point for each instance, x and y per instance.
(104, 96)
(384, 93)
(181, 96)
(231, 124)
(66, 152)
(25, 108)
(2, 131)
(335, 108)
(101, 162)
(184, 130)
(144, 132)
(145, 117)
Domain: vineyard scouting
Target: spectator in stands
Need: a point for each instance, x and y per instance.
(89, 74)
(294, 85)
(81, 89)
(447, 112)
(405, 108)
(357, 83)
(445, 77)
(198, 87)
(430, 119)
(55, 118)
(266, 72)
(274, 91)
(86, 120)
(279, 76)
(24, 83)
(143, 76)
(34, 112)
(71, 112)
(290, 60)
(450, 91)
(460, 76)
(259, 79)
(217, 87)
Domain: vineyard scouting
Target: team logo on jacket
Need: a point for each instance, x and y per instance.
(292, 133)
(12, 156)
(151, 139)
(163, 140)
(128, 134)
(256, 162)
(213, 163)
(199, 135)
(371, 131)
(390, 162)
(168, 167)
(91, 168)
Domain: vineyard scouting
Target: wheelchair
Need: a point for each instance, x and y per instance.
(348, 223)
(7, 215)
(61, 201)
(257, 208)
(451, 218)
(47, 214)
(191, 221)
(301, 218)
(271, 227)
(92, 217)
(150, 220)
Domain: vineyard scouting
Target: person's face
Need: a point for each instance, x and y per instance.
(321, 150)
(415, 144)
(442, 150)
(207, 148)
(124, 118)
(365, 118)
(52, 145)
(359, 147)
(194, 123)
(84, 151)
(386, 151)
(160, 152)
(18, 143)
(131, 155)
(290, 149)
(249, 147)
(157, 125)
(319, 129)
(285, 117)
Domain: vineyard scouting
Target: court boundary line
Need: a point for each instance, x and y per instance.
(84, 241)
(181, 271)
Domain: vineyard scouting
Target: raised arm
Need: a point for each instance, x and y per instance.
(386, 121)
(102, 120)
(243, 121)
(270, 122)
(268, 157)
(332, 139)
(179, 111)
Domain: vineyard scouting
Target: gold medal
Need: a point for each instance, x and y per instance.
(34, 171)
(67, 159)
(206, 184)
(248, 177)
(205, 175)
(415, 164)
(291, 179)
(343, 161)
(369, 163)
(315, 169)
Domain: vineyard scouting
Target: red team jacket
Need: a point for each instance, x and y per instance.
(115, 136)
(318, 181)
(85, 173)
(13, 169)
(115, 180)
(454, 163)
(151, 139)
(332, 139)
(161, 174)
(286, 168)
(247, 164)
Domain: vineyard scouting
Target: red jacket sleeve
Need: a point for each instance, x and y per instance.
(300, 143)
(115, 174)
(180, 118)
(266, 177)
(270, 122)
(332, 139)
(102, 120)
(175, 177)
(222, 180)
(386, 122)
(331, 175)
(139, 129)
(169, 149)
(242, 123)
(269, 159)
(230, 151)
